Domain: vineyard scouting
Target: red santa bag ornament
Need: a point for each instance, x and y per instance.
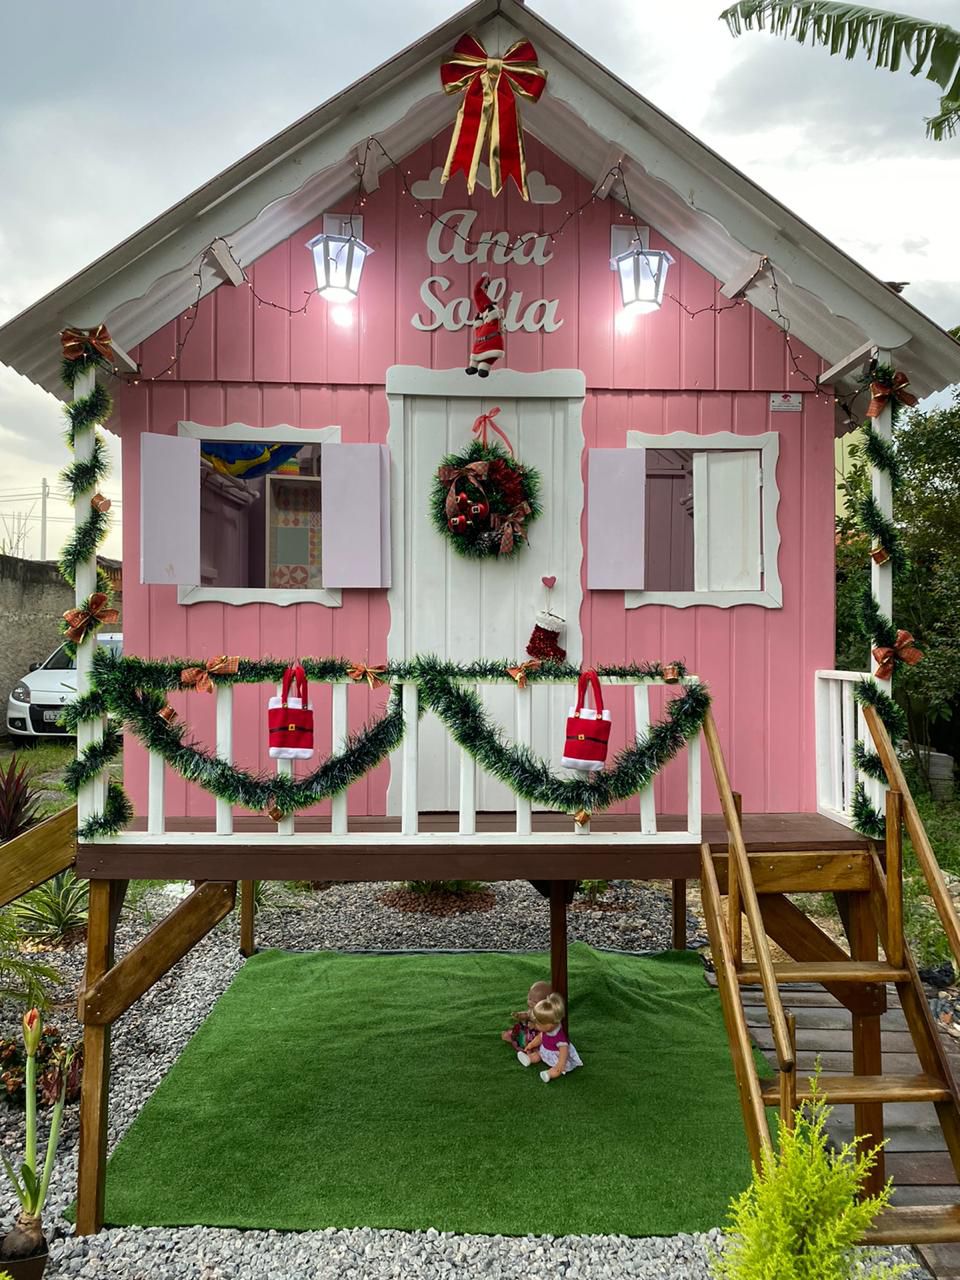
(588, 730)
(290, 719)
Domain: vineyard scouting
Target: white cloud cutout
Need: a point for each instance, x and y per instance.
(541, 191)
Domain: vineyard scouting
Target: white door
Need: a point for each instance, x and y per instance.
(464, 610)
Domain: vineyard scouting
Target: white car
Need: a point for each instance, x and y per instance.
(37, 701)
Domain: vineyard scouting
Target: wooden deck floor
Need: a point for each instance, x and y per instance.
(916, 1155)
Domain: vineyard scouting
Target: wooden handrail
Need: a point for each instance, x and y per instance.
(751, 906)
(915, 828)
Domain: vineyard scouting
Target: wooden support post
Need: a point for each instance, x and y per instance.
(248, 908)
(679, 915)
(867, 1045)
(734, 918)
(788, 1079)
(103, 909)
(558, 939)
(893, 942)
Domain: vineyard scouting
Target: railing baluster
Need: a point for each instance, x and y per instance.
(849, 723)
(156, 821)
(285, 827)
(836, 749)
(468, 794)
(524, 712)
(409, 812)
(338, 737)
(694, 803)
(641, 715)
(224, 697)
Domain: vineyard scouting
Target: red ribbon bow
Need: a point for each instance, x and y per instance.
(374, 676)
(78, 344)
(199, 677)
(486, 422)
(473, 472)
(520, 673)
(883, 392)
(79, 621)
(511, 527)
(904, 649)
(489, 87)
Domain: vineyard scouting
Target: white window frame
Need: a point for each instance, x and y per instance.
(329, 596)
(768, 444)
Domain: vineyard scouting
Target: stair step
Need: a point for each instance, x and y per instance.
(917, 1224)
(888, 1088)
(828, 971)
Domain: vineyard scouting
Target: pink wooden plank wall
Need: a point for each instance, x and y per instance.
(668, 372)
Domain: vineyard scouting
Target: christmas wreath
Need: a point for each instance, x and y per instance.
(483, 500)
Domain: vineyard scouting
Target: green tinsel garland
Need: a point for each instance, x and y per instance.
(117, 813)
(868, 762)
(877, 627)
(881, 530)
(134, 689)
(81, 476)
(482, 542)
(869, 694)
(881, 454)
(866, 819)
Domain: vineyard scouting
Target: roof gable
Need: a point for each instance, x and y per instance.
(694, 198)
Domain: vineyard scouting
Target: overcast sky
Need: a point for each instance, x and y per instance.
(106, 122)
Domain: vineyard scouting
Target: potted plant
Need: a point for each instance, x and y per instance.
(23, 1252)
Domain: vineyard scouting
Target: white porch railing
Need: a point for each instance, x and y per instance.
(839, 724)
(407, 759)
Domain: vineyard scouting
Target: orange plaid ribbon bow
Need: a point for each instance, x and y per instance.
(199, 677)
(882, 392)
(520, 673)
(78, 343)
(95, 611)
(904, 649)
(374, 676)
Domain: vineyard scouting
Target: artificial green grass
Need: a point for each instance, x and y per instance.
(336, 1090)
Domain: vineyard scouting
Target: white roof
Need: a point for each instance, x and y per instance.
(695, 199)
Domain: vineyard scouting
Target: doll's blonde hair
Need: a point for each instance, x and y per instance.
(549, 1011)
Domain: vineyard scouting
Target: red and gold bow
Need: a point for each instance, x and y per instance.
(199, 677)
(520, 673)
(78, 344)
(95, 611)
(489, 87)
(100, 503)
(883, 392)
(474, 473)
(486, 423)
(903, 649)
(511, 527)
(374, 676)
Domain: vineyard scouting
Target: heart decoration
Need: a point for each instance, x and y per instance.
(550, 582)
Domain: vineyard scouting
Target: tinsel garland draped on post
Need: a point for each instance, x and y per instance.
(133, 692)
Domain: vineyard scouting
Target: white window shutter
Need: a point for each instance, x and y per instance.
(616, 496)
(355, 515)
(169, 510)
(727, 543)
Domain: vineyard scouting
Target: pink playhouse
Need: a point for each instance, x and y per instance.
(482, 373)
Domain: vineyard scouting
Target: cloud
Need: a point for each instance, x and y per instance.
(915, 244)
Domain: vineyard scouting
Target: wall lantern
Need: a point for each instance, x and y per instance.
(643, 278)
(338, 257)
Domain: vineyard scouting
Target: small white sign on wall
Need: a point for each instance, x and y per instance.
(786, 401)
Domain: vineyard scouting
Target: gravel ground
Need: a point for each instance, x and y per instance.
(148, 1039)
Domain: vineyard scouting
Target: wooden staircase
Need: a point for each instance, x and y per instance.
(867, 886)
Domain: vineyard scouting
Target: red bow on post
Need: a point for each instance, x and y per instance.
(883, 392)
(486, 422)
(520, 673)
(489, 87)
(374, 676)
(79, 344)
(904, 649)
(511, 527)
(199, 677)
(473, 473)
(95, 611)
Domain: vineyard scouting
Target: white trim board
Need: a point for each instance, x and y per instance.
(768, 444)
(552, 384)
(330, 597)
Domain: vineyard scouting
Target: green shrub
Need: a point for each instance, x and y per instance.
(23, 978)
(800, 1218)
(593, 890)
(56, 909)
(19, 806)
(458, 887)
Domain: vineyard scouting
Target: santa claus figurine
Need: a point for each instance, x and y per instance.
(488, 338)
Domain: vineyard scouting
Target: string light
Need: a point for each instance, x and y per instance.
(614, 176)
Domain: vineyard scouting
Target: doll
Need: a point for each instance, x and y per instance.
(523, 1030)
(550, 1045)
(488, 339)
